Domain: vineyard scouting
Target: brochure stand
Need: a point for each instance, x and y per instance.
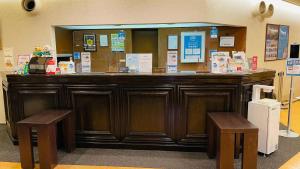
(288, 133)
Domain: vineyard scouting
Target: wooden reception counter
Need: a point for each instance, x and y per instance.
(148, 111)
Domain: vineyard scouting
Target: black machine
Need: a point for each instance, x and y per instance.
(38, 65)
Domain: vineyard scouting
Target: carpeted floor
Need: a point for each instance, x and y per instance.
(149, 159)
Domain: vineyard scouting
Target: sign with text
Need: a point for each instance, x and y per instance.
(293, 67)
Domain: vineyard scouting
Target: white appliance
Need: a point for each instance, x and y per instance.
(265, 114)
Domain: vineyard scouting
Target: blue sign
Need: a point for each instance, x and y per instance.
(192, 47)
(214, 33)
(121, 35)
(283, 42)
(293, 67)
(76, 55)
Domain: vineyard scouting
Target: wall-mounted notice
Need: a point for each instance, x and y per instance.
(227, 41)
(172, 42)
(172, 58)
(117, 43)
(214, 32)
(293, 67)
(9, 61)
(103, 40)
(139, 62)
(192, 47)
(89, 43)
(86, 62)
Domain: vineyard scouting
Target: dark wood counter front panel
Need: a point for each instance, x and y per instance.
(133, 111)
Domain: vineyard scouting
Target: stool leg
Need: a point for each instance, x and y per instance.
(250, 151)
(47, 146)
(211, 150)
(25, 146)
(69, 133)
(225, 151)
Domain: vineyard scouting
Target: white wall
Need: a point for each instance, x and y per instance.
(23, 32)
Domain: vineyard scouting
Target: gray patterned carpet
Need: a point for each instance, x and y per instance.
(144, 158)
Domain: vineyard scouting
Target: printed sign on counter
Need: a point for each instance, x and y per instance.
(139, 62)
(86, 62)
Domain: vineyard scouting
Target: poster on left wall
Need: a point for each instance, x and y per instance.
(283, 42)
(272, 36)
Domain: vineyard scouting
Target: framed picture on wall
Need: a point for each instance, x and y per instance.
(283, 43)
(272, 37)
(192, 47)
(89, 43)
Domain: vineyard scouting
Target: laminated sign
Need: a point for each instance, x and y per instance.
(293, 67)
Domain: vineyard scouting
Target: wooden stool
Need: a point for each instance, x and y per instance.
(222, 128)
(46, 124)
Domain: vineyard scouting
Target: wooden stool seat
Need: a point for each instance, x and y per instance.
(45, 123)
(222, 128)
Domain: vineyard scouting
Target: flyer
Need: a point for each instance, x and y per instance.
(117, 43)
(172, 42)
(86, 62)
(219, 61)
(9, 61)
(103, 40)
(172, 58)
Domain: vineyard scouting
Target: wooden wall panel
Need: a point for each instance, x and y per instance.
(238, 32)
(64, 41)
(103, 60)
(146, 41)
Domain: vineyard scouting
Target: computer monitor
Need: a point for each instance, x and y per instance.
(294, 51)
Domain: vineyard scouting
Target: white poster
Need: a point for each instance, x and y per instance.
(172, 42)
(132, 62)
(227, 41)
(103, 40)
(172, 58)
(139, 62)
(145, 63)
(86, 62)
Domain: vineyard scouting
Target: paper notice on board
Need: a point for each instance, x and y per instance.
(86, 62)
(172, 58)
